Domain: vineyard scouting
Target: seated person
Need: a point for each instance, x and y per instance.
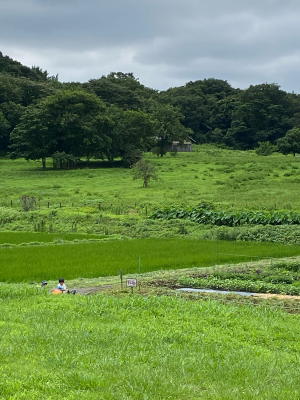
(61, 285)
(61, 288)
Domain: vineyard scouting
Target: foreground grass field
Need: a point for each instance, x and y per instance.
(35, 263)
(136, 348)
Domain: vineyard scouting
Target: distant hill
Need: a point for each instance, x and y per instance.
(16, 69)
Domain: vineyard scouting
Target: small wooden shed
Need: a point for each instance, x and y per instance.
(175, 146)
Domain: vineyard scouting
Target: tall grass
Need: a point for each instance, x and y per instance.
(137, 348)
(103, 259)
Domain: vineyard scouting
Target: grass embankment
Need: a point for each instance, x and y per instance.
(89, 260)
(103, 347)
(39, 237)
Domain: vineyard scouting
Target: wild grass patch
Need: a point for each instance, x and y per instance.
(102, 347)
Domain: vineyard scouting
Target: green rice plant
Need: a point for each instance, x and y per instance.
(26, 237)
(89, 260)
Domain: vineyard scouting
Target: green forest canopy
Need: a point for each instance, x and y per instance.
(116, 115)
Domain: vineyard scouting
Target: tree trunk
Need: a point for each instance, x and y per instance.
(111, 160)
(44, 163)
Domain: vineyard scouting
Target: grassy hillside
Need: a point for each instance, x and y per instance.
(103, 347)
(68, 201)
(229, 178)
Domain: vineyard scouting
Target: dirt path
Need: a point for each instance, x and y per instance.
(93, 289)
(278, 296)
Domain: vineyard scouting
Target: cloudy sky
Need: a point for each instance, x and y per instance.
(164, 42)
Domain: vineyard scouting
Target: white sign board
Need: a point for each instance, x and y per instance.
(131, 282)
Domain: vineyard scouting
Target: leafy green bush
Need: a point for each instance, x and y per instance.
(276, 234)
(265, 149)
(8, 215)
(288, 266)
(220, 218)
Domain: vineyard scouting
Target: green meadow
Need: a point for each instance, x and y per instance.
(238, 179)
(136, 348)
(91, 260)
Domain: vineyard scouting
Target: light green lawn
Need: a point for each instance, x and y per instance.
(134, 348)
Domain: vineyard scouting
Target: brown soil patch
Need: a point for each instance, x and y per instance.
(93, 289)
(277, 296)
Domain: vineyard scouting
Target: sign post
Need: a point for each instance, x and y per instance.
(121, 277)
(140, 274)
(131, 282)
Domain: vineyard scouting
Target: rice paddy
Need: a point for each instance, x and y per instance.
(88, 260)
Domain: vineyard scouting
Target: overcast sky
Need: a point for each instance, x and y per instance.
(163, 42)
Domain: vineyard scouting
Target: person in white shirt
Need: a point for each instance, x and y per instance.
(61, 285)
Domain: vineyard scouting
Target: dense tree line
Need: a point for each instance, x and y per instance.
(116, 116)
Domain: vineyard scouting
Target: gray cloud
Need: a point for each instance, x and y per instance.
(165, 43)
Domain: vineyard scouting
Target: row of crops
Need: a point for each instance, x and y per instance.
(280, 278)
(225, 218)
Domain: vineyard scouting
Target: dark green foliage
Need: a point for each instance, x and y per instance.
(131, 156)
(239, 119)
(290, 143)
(16, 93)
(122, 90)
(74, 122)
(265, 149)
(169, 127)
(16, 69)
(63, 160)
(209, 110)
(220, 218)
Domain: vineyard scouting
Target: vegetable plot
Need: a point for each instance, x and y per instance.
(225, 218)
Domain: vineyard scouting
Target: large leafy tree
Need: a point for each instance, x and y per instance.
(16, 69)
(121, 89)
(290, 143)
(168, 125)
(202, 104)
(132, 131)
(74, 122)
(261, 113)
(16, 93)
